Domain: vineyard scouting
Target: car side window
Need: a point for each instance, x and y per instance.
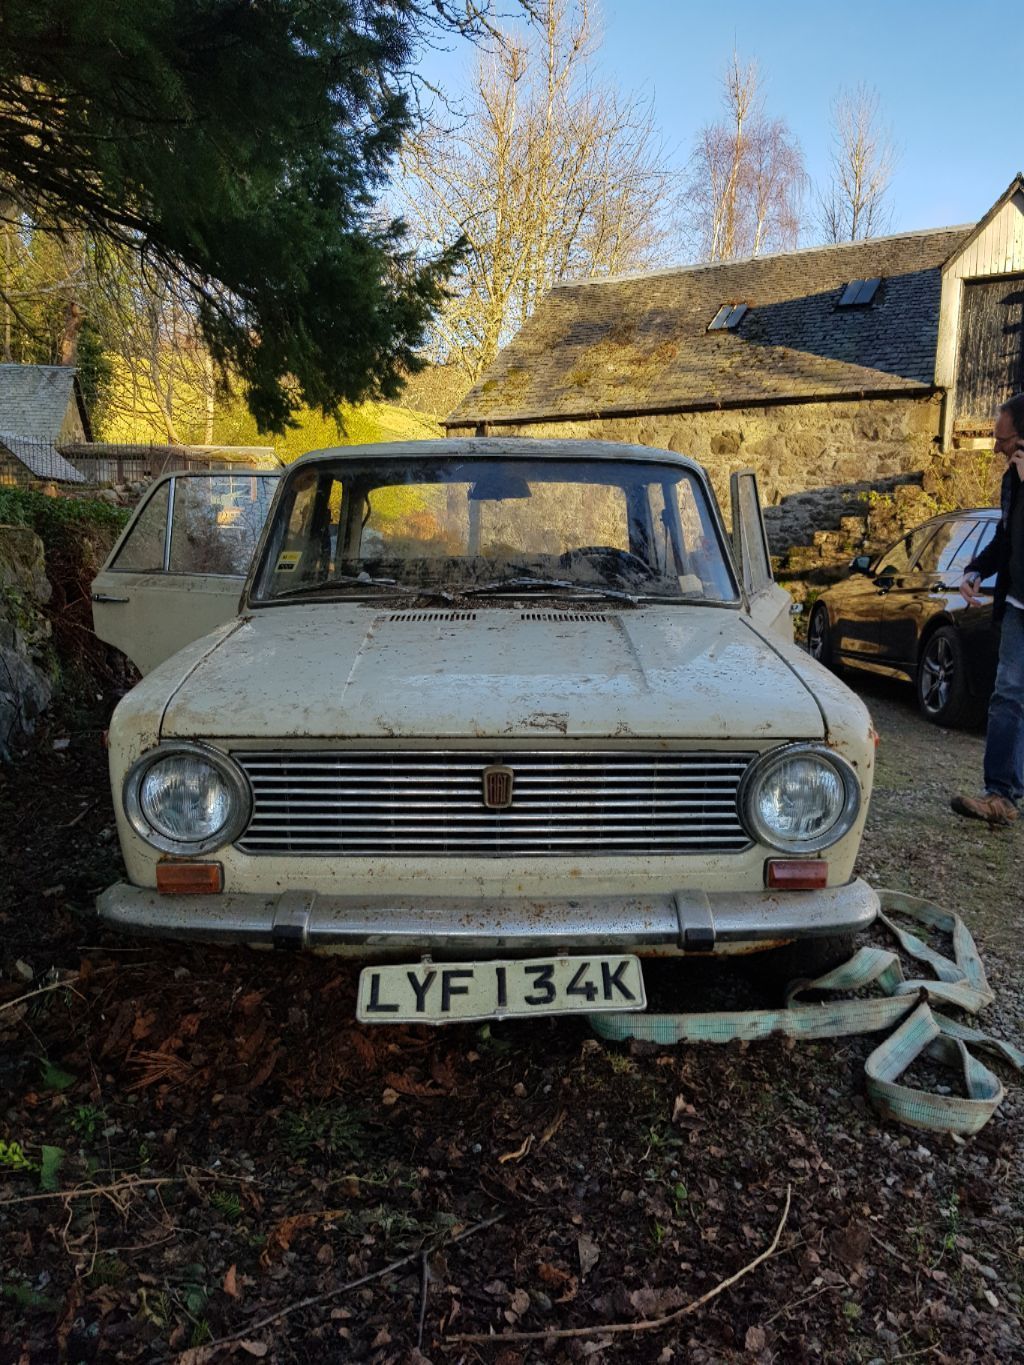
(896, 559)
(984, 540)
(143, 551)
(216, 522)
(899, 557)
(949, 549)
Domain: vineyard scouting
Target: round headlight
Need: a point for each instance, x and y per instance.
(800, 799)
(186, 799)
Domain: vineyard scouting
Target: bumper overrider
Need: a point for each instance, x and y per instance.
(383, 927)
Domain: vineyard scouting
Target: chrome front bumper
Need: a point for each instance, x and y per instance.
(382, 927)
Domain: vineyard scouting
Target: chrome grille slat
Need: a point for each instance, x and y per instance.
(409, 802)
(298, 803)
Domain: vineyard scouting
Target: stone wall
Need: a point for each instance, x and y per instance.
(25, 687)
(794, 447)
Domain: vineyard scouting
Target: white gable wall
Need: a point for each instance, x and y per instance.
(997, 249)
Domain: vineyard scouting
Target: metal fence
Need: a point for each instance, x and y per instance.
(27, 460)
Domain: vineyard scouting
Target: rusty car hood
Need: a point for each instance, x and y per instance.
(348, 670)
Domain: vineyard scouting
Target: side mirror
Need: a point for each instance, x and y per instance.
(861, 564)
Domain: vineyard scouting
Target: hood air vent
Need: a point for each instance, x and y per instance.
(561, 616)
(407, 617)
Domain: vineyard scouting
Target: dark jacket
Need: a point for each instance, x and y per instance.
(995, 558)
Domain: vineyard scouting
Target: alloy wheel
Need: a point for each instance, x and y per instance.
(938, 669)
(817, 635)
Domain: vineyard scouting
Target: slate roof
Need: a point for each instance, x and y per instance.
(33, 404)
(640, 343)
(41, 458)
(34, 399)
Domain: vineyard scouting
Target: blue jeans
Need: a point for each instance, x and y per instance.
(1004, 743)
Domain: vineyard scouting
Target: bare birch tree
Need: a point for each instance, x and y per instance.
(550, 176)
(855, 202)
(745, 180)
(163, 384)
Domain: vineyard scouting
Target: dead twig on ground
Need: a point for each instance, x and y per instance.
(644, 1325)
(314, 1299)
(43, 990)
(80, 816)
(797, 1303)
(119, 1186)
(424, 1291)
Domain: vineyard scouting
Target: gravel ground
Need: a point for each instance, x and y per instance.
(259, 1152)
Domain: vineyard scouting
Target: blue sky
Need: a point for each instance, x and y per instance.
(955, 112)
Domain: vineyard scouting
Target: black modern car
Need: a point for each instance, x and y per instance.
(902, 615)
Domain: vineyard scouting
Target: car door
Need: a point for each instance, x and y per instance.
(919, 592)
(858, 627)
(771, 607)
(177, 571)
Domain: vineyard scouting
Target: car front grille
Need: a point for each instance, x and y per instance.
(364, 804)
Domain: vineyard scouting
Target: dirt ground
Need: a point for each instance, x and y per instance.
(208, 1140)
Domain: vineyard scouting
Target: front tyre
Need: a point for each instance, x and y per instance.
(943, 695)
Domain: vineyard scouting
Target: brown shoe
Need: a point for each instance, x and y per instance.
(997, 810)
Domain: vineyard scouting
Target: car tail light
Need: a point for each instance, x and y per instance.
(796, 874)
(189, 879)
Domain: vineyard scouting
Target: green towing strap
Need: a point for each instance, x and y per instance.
(959, 984)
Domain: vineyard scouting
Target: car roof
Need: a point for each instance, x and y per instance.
(958, 515)
(501, 447)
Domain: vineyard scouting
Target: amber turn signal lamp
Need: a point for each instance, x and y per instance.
(796, 874)
(189, 879)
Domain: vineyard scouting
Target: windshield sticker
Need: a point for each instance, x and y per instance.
(288, 560)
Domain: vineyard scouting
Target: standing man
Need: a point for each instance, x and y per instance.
(1004, 743)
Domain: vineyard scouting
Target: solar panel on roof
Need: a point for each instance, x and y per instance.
(728, 317)
(859, 293)
(850, 294)
(867, 290)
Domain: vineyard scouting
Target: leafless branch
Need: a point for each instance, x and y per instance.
(745, 181)
(855, 204)
(551, 176)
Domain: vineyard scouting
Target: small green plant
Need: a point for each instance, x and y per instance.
(157, 1308)
(658, 1233)
(201, 1334)
(106, 1270)
(951, 1213)
(227, 1203)
(26, 1297)
(621, 1064)
(54, 1077)
(334, 1129)
(396, 1224)
(86, 1121)
(12, 1156)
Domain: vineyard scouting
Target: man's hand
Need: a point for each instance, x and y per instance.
(1017, 459)
(969, 589)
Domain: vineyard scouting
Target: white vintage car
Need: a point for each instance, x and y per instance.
(499, 716)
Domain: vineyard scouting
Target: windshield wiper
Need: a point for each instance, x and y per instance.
(344, 581)
(557, 584)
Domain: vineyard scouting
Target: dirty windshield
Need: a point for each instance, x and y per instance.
(486, 526)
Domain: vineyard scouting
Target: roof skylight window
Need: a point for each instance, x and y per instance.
(728, 317)
(859, 293)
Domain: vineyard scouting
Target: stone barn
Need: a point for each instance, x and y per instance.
(821, 368)
(41, 409)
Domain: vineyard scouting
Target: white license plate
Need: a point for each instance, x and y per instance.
(443, 992)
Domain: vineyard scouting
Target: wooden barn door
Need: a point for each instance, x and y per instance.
(990, 357)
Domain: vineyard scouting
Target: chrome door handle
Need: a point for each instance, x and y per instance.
(106, 597)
